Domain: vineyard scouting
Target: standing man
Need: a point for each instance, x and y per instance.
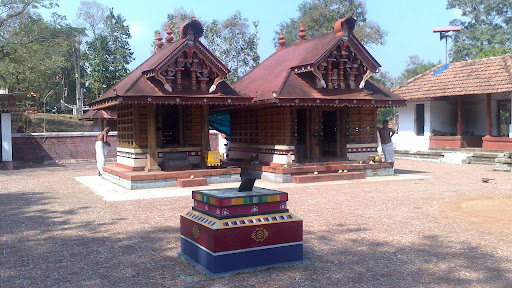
(102, 146)
(385, 134)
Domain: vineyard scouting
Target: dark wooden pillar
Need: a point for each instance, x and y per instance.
(489, 123)
(152, 163)
(316, 125)
(205, 133)
(459, 115)
(339, 133)
(308, 134)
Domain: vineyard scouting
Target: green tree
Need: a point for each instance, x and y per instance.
(486, 32)
(234, 44)
(175, 19)
(319, 17)
(230, 40)
(91, 15)
(415, 66)
(34, 51)
(386, 80)
(13, 13)
(108, 54)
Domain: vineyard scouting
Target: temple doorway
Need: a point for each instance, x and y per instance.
(328, 137)
(170, 125)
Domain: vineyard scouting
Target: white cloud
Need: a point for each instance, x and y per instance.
(457, 13)
(138, 29)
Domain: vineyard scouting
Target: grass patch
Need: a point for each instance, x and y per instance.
(34, 123)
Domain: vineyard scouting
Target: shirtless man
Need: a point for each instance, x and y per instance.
(385, 134)
(102, 146)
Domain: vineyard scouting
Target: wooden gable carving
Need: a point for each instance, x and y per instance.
(338, 68)
(345, 64)
(190, 67)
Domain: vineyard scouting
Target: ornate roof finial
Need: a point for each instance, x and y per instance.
(302, 32)
(281, 41)
(169, 37)
(159, 44)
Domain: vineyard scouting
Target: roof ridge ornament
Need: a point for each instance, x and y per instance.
(169, 37)
(344, 27)
(159, 44)
(281, 41)
(193, 27)
(302, 32)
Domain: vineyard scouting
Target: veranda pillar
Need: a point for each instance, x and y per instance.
(510, 126)
(489, 123)
(205, 133)
(152, 164)
(459, 115)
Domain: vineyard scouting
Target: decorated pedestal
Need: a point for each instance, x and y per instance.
(227, 231)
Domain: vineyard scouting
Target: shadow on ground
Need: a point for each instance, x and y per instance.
(42, 247)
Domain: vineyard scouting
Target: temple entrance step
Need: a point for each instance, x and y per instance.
(191, 182)
(324, 177)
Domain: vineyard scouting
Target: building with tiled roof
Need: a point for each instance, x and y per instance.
(101, 119)
(313, 100)
(458, 105)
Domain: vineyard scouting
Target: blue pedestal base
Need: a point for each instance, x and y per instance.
(225, 263)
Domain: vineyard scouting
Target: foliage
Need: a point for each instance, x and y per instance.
(11, 14)
(384, 79)
(232, 42)
(92, 16)
(179, 17)
(34, 51)
(486, 32)
(319, 17)
(415, 66)
(108, 54)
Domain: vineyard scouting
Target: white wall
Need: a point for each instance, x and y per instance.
(6, 137)
(406, 138)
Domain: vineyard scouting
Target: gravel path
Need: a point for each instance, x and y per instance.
(56, 232)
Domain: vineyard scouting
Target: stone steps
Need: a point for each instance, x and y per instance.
(324, 177)
(479, 156)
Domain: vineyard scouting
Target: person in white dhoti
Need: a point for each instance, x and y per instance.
(385, 134)
(102, 146)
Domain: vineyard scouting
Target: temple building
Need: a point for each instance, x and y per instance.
(313, 102)
(163, 112)
(311, 105)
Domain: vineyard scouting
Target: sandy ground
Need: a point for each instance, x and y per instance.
(432, 225)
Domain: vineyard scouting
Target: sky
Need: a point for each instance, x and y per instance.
(409, 24)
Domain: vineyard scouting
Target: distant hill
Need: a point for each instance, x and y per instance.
(33, 123)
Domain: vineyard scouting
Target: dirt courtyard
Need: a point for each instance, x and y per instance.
(432, 225)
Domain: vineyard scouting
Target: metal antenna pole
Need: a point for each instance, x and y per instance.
(446, 50)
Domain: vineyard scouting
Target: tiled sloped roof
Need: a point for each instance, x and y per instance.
(99, 114)
(269, 75)
(489, 75)
(275, 74)
(137, 87)
(135, 83)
